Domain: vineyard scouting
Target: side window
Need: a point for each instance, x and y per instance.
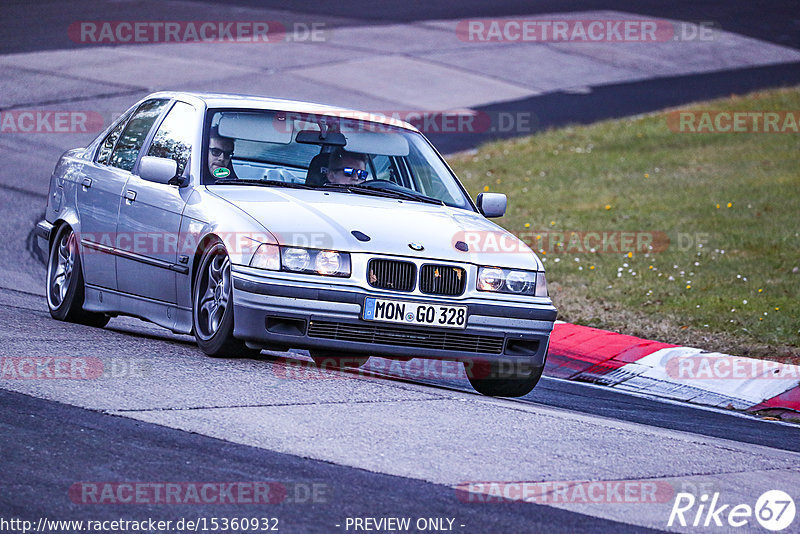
(107, 145)
(385, 168)
(132, 138)
(173, 139)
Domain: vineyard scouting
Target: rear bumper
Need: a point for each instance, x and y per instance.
(284, 316)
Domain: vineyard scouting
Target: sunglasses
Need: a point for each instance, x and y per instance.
(350, 171)
(217, 152)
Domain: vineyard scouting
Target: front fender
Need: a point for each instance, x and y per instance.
(207, 217)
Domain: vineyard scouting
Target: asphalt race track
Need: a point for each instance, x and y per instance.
(385, 442)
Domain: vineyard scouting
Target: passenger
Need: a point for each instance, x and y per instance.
(347, 168)
(220, 150)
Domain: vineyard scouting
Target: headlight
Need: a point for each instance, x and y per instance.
(266, 257)
(301, 260)
(490, 279)
(509, 281)
(328, 262)
(295, 259)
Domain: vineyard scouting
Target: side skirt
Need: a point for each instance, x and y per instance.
(170, 316)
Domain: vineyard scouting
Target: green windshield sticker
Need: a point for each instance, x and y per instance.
(221, 172)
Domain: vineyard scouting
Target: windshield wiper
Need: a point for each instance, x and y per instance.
(267, 183)
(387, 193)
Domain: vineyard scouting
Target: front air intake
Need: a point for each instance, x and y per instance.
(442, 280)
(393, 275)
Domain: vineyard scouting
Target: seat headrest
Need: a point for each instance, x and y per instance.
(315, 176)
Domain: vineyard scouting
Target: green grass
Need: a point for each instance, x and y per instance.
(637, 175)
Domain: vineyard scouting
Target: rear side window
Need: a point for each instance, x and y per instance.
(104, 154)
(134, 134)
(173, 139)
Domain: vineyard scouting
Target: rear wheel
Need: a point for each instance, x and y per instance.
(503, 379)
(65, 288)
(212, 306)
(335, 360)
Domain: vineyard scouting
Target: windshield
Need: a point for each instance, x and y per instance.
(335, 153)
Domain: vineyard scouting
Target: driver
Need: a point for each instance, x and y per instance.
(348, 168)
(220, 150)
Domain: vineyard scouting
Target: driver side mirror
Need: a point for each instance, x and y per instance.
(159, 170)
(492, 205)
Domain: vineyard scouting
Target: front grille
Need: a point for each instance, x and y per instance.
(406, 337)
(442, 280)
(391, 274)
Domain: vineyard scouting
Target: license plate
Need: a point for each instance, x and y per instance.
(416, 313)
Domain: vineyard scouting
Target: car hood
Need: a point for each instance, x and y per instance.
(328, 220)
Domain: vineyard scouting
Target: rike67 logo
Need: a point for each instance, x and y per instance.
(774, 510)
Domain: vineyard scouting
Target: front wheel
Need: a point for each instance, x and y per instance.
(65, 289)
(212, 306)
(503, 378)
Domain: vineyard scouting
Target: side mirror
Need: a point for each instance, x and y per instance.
(492, 204)
(159, 170)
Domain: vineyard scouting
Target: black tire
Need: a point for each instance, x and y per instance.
(335, 360)
(212, 308)
(64, 284)
(502, 379)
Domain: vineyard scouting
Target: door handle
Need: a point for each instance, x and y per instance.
(130, 195)
(87, 183)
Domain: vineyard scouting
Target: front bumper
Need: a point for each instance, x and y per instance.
(287, 316)
(44, 229)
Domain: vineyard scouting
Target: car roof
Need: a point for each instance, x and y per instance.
(236, 101)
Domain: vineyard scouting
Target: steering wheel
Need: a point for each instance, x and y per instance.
(368, 183)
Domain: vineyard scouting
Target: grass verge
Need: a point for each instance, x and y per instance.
(728, 203)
